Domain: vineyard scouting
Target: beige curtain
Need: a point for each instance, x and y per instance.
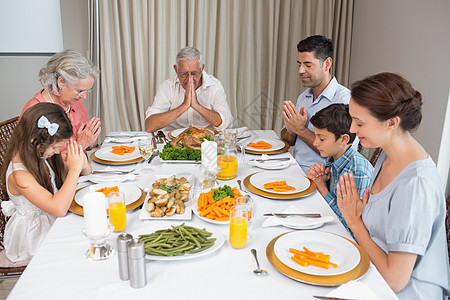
(250, 46)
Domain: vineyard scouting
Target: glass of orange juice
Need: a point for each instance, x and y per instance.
(117, 210)
(238, 226)
(228, 166)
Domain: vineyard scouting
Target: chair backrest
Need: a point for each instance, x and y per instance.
(371, 154)
(6, 130)
(447, 225)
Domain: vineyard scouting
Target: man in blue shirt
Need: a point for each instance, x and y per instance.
(315, 57)
(334, 141)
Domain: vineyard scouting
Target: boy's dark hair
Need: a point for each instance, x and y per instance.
(336, 119)
(319, 44)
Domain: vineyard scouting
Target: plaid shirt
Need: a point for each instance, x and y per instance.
(351, 162)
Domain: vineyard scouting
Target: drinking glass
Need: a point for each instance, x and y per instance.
(246, 200)
(238, 226)
(231, 136)
(146, 150)
(117, 211)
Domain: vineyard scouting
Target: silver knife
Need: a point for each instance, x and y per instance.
(110, 172)
(127, 135)
(284, 215)
(271, 159)
(331, 298)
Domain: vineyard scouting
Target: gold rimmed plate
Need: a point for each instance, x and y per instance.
(333, 280)
(108, 162)
(78, 209)
(254, 151)
(253, 189)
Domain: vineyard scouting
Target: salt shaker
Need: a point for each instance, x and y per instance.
(136, 263)
(122, 241)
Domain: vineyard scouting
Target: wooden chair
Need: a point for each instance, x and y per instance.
(6, 130)
(371, 154)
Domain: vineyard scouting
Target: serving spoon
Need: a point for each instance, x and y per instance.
(258, 271)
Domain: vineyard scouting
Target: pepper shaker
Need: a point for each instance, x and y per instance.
(136, 263)
(122, 251)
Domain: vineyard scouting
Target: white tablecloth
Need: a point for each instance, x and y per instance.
(60, 271)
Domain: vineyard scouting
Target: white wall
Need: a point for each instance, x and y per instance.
(409, 37)
(19, 74)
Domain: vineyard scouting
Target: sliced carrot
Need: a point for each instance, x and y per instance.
(300, 261)
(318, 259)
(121, 150)
(108, 190)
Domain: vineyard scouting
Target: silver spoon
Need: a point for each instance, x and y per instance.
(239, 182)
(258, 271)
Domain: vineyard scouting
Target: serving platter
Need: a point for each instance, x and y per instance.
(253, 189)
(145, 214)
(334, 280)
(197, 213)
(220, 239)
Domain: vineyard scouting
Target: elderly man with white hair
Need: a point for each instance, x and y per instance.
(192, 98)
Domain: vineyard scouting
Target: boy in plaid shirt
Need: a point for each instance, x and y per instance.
(334, 141)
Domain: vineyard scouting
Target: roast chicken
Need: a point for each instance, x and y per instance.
(190, 138)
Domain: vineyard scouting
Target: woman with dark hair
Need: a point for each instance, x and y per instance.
(400, 221)
(40, 184)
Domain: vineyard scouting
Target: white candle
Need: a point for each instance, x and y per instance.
(94, 210)
(209, 155)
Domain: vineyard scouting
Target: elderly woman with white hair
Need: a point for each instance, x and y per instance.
(66, 79)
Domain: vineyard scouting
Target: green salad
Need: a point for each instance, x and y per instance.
(171, 153)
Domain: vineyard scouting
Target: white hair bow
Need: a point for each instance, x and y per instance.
(52, 128)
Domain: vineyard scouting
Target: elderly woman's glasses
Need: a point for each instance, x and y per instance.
(82, 93)
(184, 74)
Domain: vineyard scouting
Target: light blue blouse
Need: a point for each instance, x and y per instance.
(408, 215)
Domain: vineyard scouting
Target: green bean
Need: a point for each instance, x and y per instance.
(177, 241)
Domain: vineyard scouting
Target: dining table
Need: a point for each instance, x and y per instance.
(60, 270)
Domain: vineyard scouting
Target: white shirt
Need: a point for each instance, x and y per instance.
(210, 95)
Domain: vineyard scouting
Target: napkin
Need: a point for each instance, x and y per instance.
(354, 290)
(272, 165)
(242, 131)
(107, 177)
(124, 139)
(297, 222)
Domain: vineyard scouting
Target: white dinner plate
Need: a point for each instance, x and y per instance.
(105, 154)
(296, 180)
(131, 191)
(145, 215)
(276, 145)
(220, 239)
(341, 251)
